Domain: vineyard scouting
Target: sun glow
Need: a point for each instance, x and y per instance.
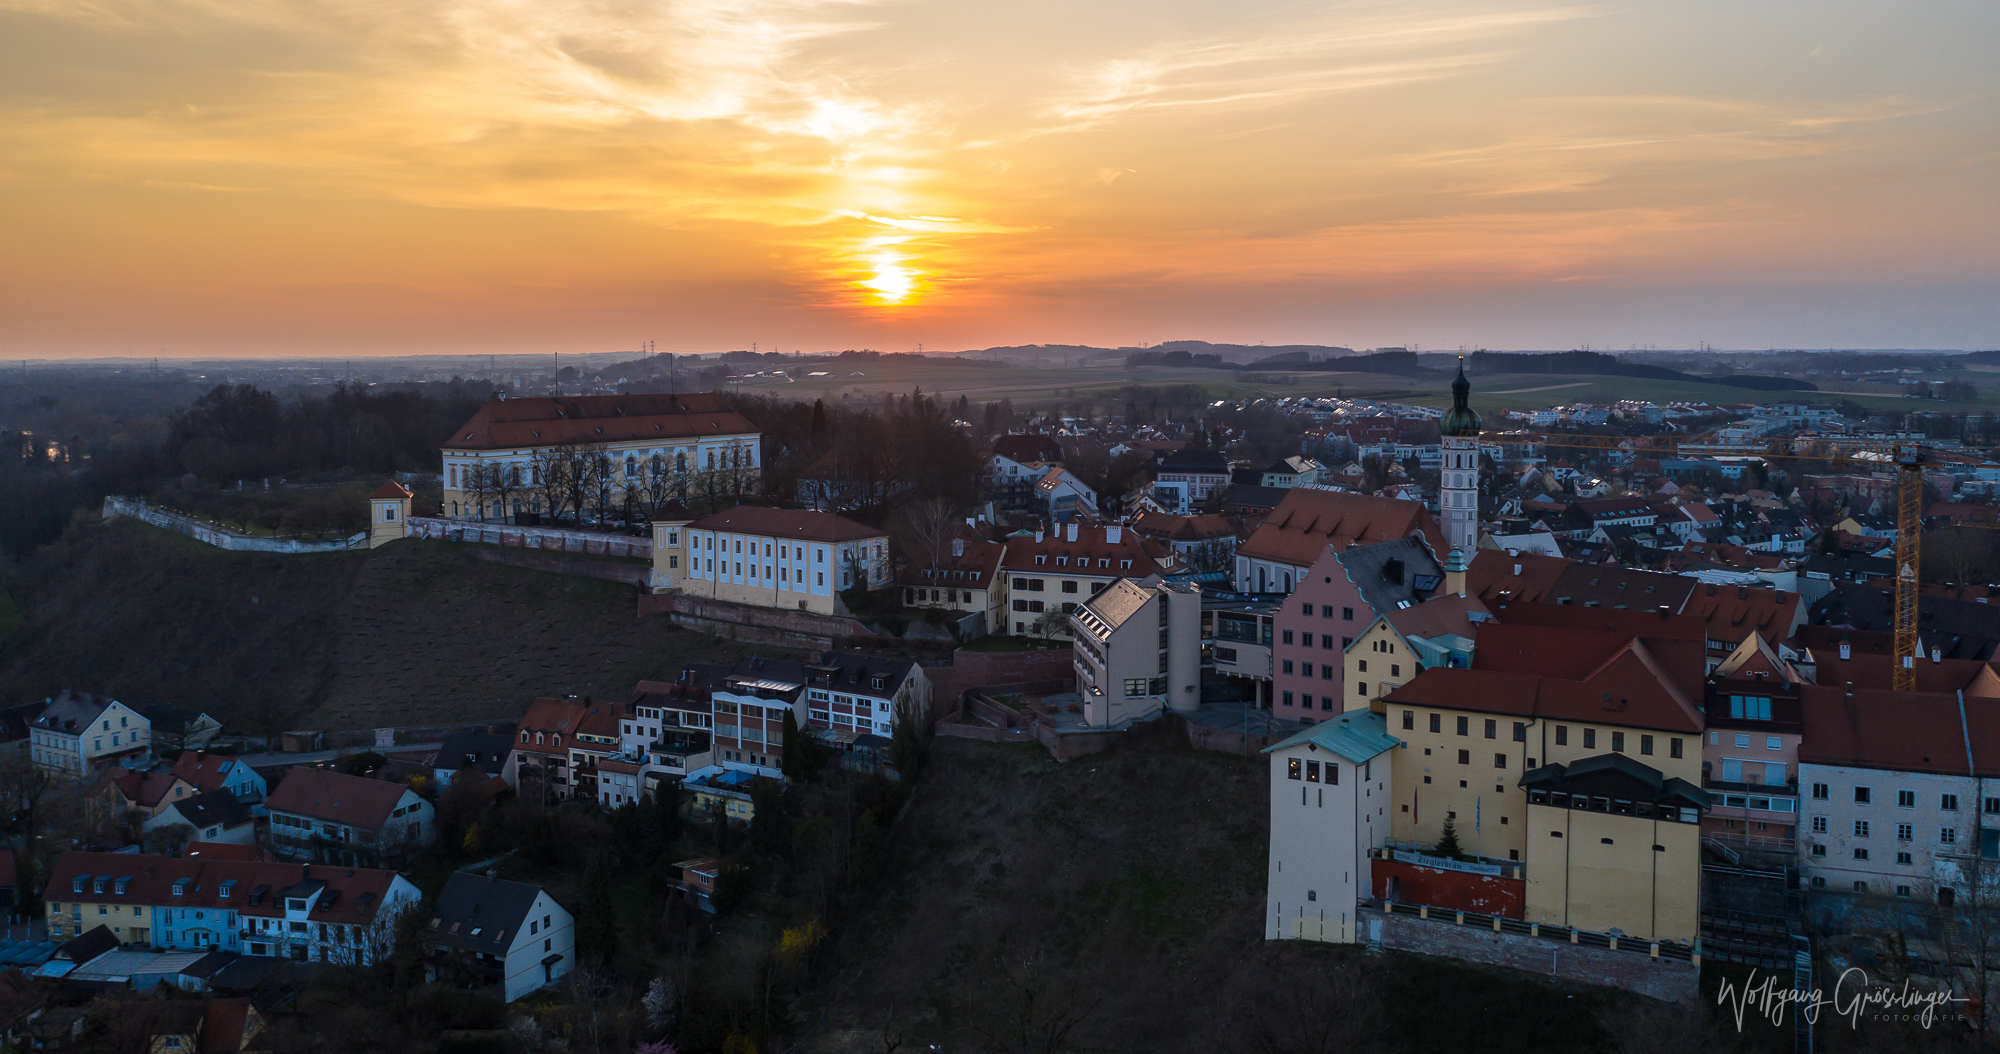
(893, 279)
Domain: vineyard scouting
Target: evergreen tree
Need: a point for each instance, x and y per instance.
(596, 920)
(650, 840)
(718, 822)
(1448, 839)
(767, 816)
(819, 419)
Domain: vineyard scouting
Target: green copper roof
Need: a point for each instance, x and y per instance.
(1459, 420)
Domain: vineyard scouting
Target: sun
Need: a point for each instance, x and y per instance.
(893, 279)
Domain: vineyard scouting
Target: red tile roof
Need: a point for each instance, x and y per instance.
(391, 489)
(152, 880)
(1630, 687)
(324, 794)
(1086, 557)
(1735, 611)
(526, 423)
(223, 1023)
(144, 789)
(786, 523)
(1493, 573)
(204, 772)
(1170, 527)
(1308, 522)
(975, 569)
(1903, 731)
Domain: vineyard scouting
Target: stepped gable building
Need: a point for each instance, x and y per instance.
(1309, 522)
(654, 448)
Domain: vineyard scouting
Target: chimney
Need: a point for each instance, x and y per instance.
(1937, 656)
(1038, 537)
(1113, 532)
(1517, 570)
(1072, 530)
(1663, 611)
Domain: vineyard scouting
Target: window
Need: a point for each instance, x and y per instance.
(1361, 688)
(1288, 695)
(1499, 761)
(1292, 768)
(1437, 722)
(1904, 799)
(1618, 742)
(1948, 835)
(1288, 668)
(1948, 802)
(1305, 609)
(1863, 795)
(1347, 613)
(1902, 891)
(1904, 858)
(1860, 854)
(1645, 744)
(1742, 739)
(1774, 743)
(1820, 792)
(1861, 828)
(1520, 731)
(1288, 636)
(1135, 686)
(1410, 719)
(1562, 735)
(1464, 726)
(1312, 772)
(1492, 729)
(1819, 825)
(1465, 757)
(1818, 850)
(1590, 739)
(1905, 832)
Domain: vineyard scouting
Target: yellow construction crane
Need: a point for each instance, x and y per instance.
(1909, 533)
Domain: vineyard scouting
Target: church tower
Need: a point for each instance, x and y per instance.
(1458, 488)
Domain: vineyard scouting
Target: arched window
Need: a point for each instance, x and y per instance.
(711, 461)
(681, 463)
(631, 467)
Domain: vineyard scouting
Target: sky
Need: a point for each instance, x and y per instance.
(355, 177)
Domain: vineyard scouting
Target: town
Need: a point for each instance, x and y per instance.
(1728, 669)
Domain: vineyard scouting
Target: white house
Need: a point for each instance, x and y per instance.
(1329, 807)
(214, 816)
(80, 733)
(332, 818)
(510, 935)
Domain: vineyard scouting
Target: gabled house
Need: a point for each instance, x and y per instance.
(483, 752)
(1050, 574)
(217, 816)
(79, 733)
(491, 933)
(210, 772)
(1195, 474)
(146, 793)
(1309, 522)
(559, 742)
(330, 817)
(966, 578)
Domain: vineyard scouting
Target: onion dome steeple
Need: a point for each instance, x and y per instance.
(1459, 420)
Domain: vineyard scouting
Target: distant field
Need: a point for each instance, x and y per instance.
(1027, 386)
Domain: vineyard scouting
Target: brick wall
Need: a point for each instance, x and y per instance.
(977, 669)
(1671, 980)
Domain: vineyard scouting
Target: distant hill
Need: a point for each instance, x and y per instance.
(412, 633)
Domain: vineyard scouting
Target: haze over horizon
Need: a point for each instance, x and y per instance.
(272, 178)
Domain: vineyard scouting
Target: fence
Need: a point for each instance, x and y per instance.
(512, 536)
(180, 523)
(1660, 969)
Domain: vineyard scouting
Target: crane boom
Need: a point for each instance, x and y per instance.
(1909, 534)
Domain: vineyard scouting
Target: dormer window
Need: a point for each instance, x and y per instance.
(1041, 558)
(524, 735)
(223, 892)
(123, 882)
(97, 884)
(180, 887)
(76, 884)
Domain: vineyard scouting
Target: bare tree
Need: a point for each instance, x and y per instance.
(931, 526)
(548, 473)
(1034, 1007)
(26, 790)
(477, 483)
(1214, 555)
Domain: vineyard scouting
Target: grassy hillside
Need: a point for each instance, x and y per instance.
(1117, 900)
(411, 633)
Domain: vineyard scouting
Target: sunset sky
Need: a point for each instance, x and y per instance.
(260, 177)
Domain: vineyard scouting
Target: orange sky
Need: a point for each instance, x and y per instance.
(258, 177)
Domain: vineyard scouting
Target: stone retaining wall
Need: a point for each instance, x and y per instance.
(1672, 980)
(556, 563)
(509, 536)
(221, 539)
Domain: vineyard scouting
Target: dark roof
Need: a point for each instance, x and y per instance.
(485, 751)
(72, 711)
(1388, 573)
(1523, 577)
(1960, 629)
(324, 794)
(523, 423)
(1028, 448)
(1208, 461)
(1620, 587)
(204, 771)
(786, 523)
(1560, 777)
(480, 914)
(247, 973)
(14, 721)
(223, 1022)
(81, 949)
(211, 808)
(1244, 496)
